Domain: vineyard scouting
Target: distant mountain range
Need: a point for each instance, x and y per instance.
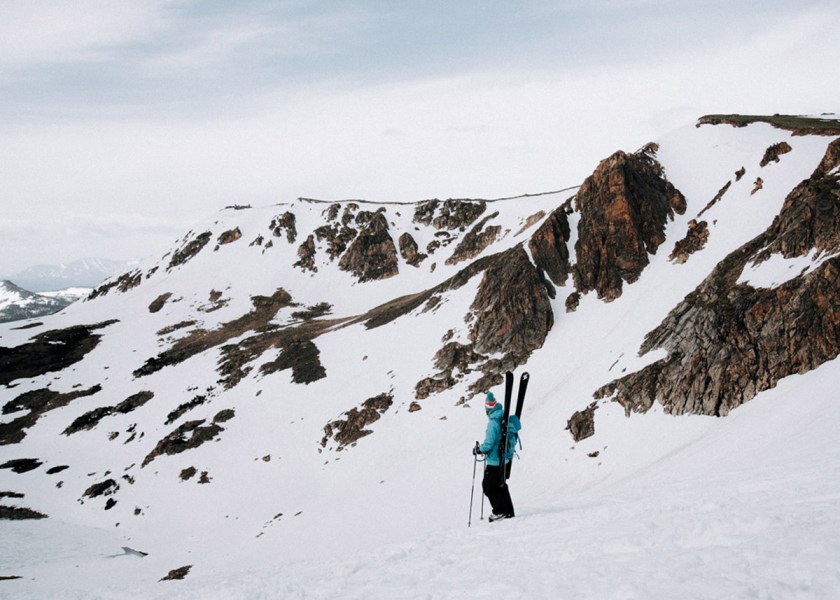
(85, 272)
(17, 303)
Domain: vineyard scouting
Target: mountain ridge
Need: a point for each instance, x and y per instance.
(255, 354)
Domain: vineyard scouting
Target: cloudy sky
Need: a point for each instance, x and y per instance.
(122, 123)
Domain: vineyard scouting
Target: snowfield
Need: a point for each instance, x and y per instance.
(652, 506)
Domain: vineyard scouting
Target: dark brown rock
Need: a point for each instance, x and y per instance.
(409, 250)
(740, 173)
(549, 245)
(190, 250)
(717, 198)
(572, 302)
(726, 341)
(285, 222)
(36, 403)
(158, 303)
(191, 434)
(449, 214)
(352, 427)
(123, 283)
(372, 255)
(178, 573)
(759, 184)
(21, 465)
(582, 424)
(624, 207)
(475, 241)
(695, 239)
(228, 237)
(306, 255)
(512, 308)
(773, 153)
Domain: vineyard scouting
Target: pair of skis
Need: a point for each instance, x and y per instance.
(520, 400)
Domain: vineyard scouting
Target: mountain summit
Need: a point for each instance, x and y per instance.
(305, 380)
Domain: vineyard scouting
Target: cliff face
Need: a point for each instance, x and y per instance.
(728, 340)
(624, 207)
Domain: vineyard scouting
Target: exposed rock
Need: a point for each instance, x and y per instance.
(798, 125)
(810, 217)
(184, 254)
(37, 403)
(716, 199)
(409, 250)
(531, 221)
(123, 283)
(103, 488)
(49, 352)
(228, 237)
(450, 214)
(414, 407)
(285, 222)
(726, 341)
(624, 207)
(188, 473)
(694, 240)
(572, 302)
(22, 465)
(434, 385)
(178, 441)
(740, 173)
(346, 431)
(549, 245)
(476, 241)
(582, 424)
(313, 312)
(265, 308)
(306, 255)
(337, 236)
(302, 357)
(759, 184)
(91, 419)
(773, 153)
(19, 513)
(175, 414)
(158, 303)
(178, 573)
(512, 308)
(372, 255)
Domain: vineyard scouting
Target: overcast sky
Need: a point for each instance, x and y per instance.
(123, 123)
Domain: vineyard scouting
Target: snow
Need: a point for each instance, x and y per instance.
(777, 269)
(671, 507)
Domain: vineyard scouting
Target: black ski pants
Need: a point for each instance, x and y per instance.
(499, 495)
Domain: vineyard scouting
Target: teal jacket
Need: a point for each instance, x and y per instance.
(490, 446)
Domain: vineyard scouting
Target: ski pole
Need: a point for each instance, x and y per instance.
(472, 492)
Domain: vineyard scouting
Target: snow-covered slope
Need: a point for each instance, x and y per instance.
(273, 407)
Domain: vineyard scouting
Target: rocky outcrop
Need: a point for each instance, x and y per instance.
(158, 303)
(718, 196)
(773, 153)
(346, 431)
(49, 352)
(728, 341)
(449, 214)
(123, 283)
(757, 186)
(189, 251)
(694, 240)
(372, 255)
(228, 237)
(91, 419)
(410, 251)
(285, 222)
(549, 245)
(306, 255)
(582, 424)
(191, 434)
(624, 207)
(302, 357)
(798, 125)
(512, 309)
(476, 241)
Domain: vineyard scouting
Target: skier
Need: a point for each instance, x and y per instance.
(498, 494)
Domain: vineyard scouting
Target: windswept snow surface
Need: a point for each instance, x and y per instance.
(671, 507)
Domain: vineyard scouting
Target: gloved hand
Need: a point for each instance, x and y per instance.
(477, 450)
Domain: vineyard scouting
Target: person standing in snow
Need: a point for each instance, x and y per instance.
(498, 495)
